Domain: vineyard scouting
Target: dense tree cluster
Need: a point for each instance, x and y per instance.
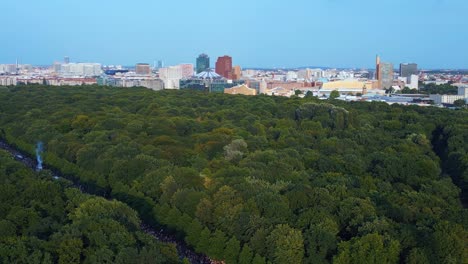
(439, 89)
(44, 221)
(257, 179)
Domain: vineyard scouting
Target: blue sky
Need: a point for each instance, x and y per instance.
(256, 33)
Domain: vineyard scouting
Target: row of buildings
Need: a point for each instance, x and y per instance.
(445, 99)
(384, 74)
(78, 69)
(225, 77)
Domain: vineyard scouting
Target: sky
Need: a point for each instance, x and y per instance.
(256, 33)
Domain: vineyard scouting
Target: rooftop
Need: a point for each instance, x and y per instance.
(208, 74)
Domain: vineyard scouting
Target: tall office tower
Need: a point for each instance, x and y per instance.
(408, 69)
(143, 69)
(385, 74)
(236, 73)
(377, 64)
(224, 67)
(203, 63)
(66, 60)
(160, 64)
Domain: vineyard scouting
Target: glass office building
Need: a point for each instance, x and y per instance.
(385, 75)
(408, 69)
(203, 63)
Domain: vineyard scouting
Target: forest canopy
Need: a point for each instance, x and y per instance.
(45, 221)
(257, 179)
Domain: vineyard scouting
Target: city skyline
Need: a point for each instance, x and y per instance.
(332, 33)
(69, 60)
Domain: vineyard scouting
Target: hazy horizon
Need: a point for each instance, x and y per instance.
(260, 34)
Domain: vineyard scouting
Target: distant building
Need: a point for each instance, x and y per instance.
(114, 72)
(377, 67)
(254, 84)
(203, 63)
(224, 67)
(8, 80)
(66, 60)
(291, 76)
(171, 76)
(187, 70)
(236, 72)
(153, 84)
(57, 67)
(413, 82)
(160, 64)
(79, 69)
(240, 89)
(263, 87)
(208, 81)
(26, 67)
(143, 69)
(309, 74)
(450, 99)
(385, 75)
(347, 86)
(462, 90)
(249, 73)
(445, 98)
(8, 68)
(408, 69)
(131, 81)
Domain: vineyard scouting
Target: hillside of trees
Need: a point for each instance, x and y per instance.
(242, 179)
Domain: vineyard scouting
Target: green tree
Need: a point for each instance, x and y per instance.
(194, 231)
(259, 260)
(449, 243)
(204, 241)
(217, 245)
(231, 252)
(372, 248)
(334, 94)
(246, 255)
(286, 245)
(70, 251)
(459, 103)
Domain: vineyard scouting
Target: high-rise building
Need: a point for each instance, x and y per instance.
(377, 64)
(160, 64)
(143, 69)
(408, 69)
(66, 60)
(224, 67)
(385, 74)
(203, 63)
(236, 73)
